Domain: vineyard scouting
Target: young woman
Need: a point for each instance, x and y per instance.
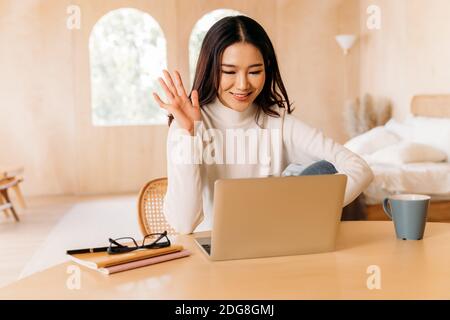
(238, 95)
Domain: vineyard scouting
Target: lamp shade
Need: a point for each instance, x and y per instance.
(346, 41)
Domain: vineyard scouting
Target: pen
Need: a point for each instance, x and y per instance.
(87, 250)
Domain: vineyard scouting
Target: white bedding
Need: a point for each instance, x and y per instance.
(399, 154)
(424, 177)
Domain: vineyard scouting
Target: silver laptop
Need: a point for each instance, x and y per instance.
(267, 217)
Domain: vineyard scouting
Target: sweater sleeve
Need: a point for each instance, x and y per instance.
(183, 205)
(301, 140)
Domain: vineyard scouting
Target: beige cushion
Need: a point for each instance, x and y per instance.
(407, 152)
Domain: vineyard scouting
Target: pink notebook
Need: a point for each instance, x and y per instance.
(145, 262)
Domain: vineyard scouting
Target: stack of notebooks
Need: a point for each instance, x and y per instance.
(112, 263)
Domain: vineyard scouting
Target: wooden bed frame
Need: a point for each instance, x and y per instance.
(437, 106)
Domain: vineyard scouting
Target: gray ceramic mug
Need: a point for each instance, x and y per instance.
(409, 213)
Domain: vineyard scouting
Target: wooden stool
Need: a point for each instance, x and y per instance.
(5, 202)
(10, 173)
(17, 190)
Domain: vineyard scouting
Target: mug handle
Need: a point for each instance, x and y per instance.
(386, 208)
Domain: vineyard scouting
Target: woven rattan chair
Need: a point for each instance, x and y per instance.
(150, 208)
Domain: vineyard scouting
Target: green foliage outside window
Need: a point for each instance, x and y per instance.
(127, 54)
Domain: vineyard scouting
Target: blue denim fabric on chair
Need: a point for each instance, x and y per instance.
(317, 168)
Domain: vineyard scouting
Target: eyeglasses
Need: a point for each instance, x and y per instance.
(122, 245)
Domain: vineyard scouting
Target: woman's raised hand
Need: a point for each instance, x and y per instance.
(185, 111)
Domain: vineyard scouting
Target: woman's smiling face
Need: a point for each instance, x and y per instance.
(242, 76)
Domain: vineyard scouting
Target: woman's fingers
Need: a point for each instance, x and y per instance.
(170, 83)
(160, 102)
(169, 94)
(174, 111)
(180, 86)
(194, 98)
(180, 105)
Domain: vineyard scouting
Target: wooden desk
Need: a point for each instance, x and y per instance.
(409, 270)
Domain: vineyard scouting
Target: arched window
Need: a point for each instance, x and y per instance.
(127, 51)
(199, 31)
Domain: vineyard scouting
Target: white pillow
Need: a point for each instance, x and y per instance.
(407, 152)
(371, 141)
(402, 130)
(431, 131)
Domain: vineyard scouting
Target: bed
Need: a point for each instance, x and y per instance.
(411, 156)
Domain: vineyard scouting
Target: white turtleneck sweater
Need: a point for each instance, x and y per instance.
(194, 163)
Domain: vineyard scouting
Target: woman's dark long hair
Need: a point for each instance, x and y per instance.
(224, 33)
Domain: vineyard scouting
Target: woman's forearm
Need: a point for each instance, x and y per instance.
(183, 205)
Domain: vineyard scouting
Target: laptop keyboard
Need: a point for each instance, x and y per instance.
(207, 248)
